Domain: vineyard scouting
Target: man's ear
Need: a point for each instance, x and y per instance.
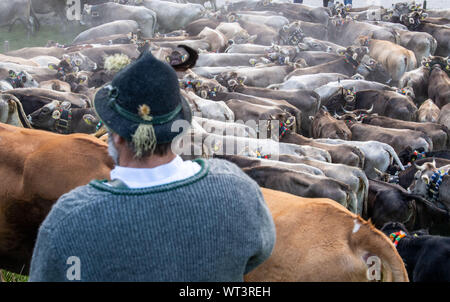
(118, 140)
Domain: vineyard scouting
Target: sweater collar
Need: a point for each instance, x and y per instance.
(102, 186)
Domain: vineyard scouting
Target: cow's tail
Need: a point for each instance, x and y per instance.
(393, 156)
(433, 45)
(378, 252)
(361, 156)
(154, 24)
(364, 185)
(23, 117)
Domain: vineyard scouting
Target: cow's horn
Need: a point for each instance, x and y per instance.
(370, 110)
(343, 109)
(378, 171)
(420, 168)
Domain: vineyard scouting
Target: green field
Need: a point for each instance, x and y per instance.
(18, 36)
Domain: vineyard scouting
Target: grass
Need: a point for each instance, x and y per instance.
(18, 37)
(6, 276)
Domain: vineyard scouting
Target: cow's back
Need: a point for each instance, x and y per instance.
(36, 168)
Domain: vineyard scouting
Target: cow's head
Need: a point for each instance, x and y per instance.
(204, 88)
(291, 34)
(393, 227)
(73, 63)
(349, 95)
(230, 80)
(386, 177)
(412, 20)
(326, 126)
(242, 37)
(283, 122)
(21, 79)
(371, 70)
(176, 57)
(79, 62)
(47, 116)
(422, 178)
(431, 61)
(232, 17)
(409, 155)
(91, 15)
(313, 44)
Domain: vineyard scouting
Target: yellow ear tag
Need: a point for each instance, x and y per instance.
(51, 67)
(56, 115)
(87, 121)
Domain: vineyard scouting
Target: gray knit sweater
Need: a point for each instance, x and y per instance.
(214, 226)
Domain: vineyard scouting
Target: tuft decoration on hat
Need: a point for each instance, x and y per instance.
(144, 138)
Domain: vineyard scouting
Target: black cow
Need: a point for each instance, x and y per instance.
(408, 155)
(426, 258)
(389, 202)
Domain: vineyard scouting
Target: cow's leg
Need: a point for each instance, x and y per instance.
(11, 25)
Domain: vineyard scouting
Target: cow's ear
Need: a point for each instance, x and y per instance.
(66, 105)
(241, 80)
(252, 39)
(425, 179)
(90, 119)
(52, 66)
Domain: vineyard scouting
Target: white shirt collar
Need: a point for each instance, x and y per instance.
(175, 170)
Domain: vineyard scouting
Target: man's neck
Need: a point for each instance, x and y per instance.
(150, 162)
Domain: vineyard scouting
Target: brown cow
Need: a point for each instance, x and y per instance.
(439, 87)
(399, 139)
(319, 240)
(26, 197)
(439, 134)
(325, 126)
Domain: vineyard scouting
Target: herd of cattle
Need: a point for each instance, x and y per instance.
(361, 100)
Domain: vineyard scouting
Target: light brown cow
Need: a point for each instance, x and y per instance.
(319, 240)
(396, 59)
(428, 112)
